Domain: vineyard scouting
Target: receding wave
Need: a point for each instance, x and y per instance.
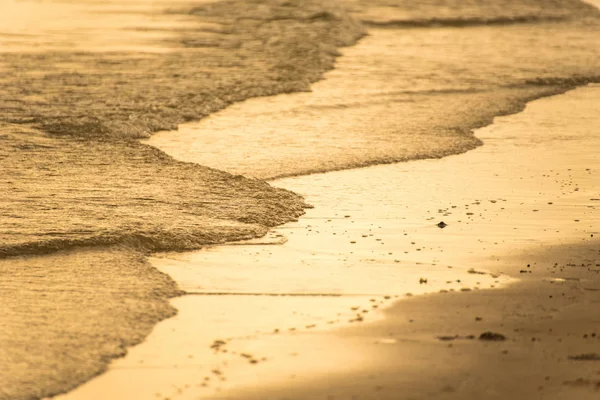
(70, 116)
(460, 13)
(144, 241)
(462, 22)
(564, 81)
(67, 114)
(74, 173)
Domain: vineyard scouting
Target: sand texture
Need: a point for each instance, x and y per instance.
(428, 347)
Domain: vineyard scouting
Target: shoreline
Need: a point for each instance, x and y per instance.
(75, 96)
(408, 357)
(297, 340)
(39, 146)
(568, 320)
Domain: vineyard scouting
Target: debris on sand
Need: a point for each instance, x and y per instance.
(442, 225)
(358, 318)
(586, 357)
(455, 337)
(219, 342)
(446, 338)
(580, 382)
(474, 271)
(492, 336)
(422, 281)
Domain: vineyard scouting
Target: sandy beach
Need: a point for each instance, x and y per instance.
(420, 223)
(498, 266)
(427, 346)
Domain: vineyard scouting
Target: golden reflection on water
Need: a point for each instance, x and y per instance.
(369, 259)
(395, 96)
(37, 25)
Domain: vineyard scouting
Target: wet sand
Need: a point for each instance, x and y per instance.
(550, 351)
(73, 177)
(545, 234)
(76, 178)
(515, 206)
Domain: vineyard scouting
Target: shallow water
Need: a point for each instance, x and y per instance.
(89, 26)
(531, 184)
(399, 94)
(107, 71)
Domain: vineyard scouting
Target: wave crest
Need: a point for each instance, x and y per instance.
(461, 22)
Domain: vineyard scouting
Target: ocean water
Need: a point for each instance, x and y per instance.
(83, 81)
(403, 92)
(371, 239)
(431, 73)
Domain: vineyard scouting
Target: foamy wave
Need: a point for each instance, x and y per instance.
(144, 241)
(461, 22)
(570, 81)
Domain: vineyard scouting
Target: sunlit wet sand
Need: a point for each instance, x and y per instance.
(67, 64)
(372, 236)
